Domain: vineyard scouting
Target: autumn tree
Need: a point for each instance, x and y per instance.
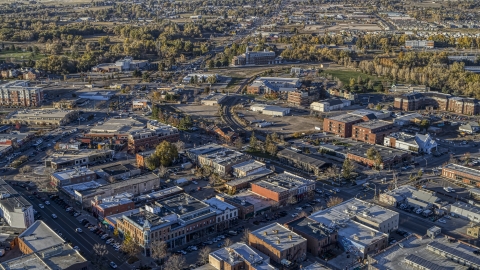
(334, 201)
(348, 168)
(129, 246)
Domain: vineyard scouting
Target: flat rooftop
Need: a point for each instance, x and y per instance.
(68, 155)
(239, 252)
(278, 236)
(224, 155)
(113, 125)
(39, 114)
(249, 165)
(205, 149)
(372, 124)
(118, 169)
(360, 149)
(215, 97)
(417, 250)
(284, 181)
(182, 204)
(249, 178)
(311, 159)
(72, 173)
(218, 204)
(463, 169)
(39, 236)
(259, 202)
(11, 199)
(116, 200)
(156, 195)
(70, 189)
(128, 182)
(310, 227)
(345, 118)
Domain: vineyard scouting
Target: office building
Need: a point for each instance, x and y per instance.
(341, 125)
(462, 174)
(213, 99)
(72, 176)
(227, 214)
(111, 205)
(72, 158)
(372, 132)
(222, 160)
(256, 58)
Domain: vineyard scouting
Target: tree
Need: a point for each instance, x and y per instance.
(180, 145)
(253, 142)
(158, 250)
(371, 152)
(129, 246)
(25, 169)
(228, 242)
(162, 171)
(238, 143)
(166, 152)
(152, 162)
(334, 201)
(245, 235)
(175, 262)
(204, 254)
(348, 168)
(420, 173)
(99, 251)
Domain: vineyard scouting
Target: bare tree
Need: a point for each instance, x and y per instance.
(175, 262)
(49, 152)
(130, 247)
(204, 254)
(162, 171)
(334, 201)
(25, 169)
(245, 235)
(99, 252)
(227, 242)
(158, 250)
(180, 146)
(292, 200)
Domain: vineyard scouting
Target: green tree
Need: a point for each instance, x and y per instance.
(253, 142)
(166, 152)
(347, 169)
(152, 162)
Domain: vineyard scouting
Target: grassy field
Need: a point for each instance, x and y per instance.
(18, 56)
(344, 75)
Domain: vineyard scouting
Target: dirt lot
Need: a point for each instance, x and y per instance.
(284, 125)
(201, 111)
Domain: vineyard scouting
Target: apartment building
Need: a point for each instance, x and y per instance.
(444, 102)
(303, 97)
(20, 94)
(14, 208)
(268, 85)
(279, 243)
(177, 220)
(341, 125)
(372, 132)
(282, 187)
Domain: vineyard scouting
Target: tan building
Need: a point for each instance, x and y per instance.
(473, 231)
(65, 104)
(50, 117)
(239, 256)
(279, 243)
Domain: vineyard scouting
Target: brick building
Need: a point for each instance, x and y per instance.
(282, 187)
(306, 162)
(112, 205)
(444, 102)
(142, 156)
(279, 243)
(319, 238)
(227, 214)
(245, 209)
(341, 125)
(177, 220)
(372, 132)
(303, 97)
(222, 160)
(462, 174)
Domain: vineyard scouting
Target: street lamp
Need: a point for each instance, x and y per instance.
(375, 195)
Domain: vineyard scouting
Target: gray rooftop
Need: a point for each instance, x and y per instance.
(116, 200)
(360, 149)
(249, 178)
(239, 252)
(283, 182)
(39, 236)
(249, 165)
(345, 118)
(202, 150)
(51, 114)
(415, 250)
(128, 182)
(71, 173)
(278, 236)
(117, 126)
(310, 227)
(11, 199)
(372, 124)
(462, 169)
(311, 159)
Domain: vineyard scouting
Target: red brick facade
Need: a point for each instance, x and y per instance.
(443, 102)
(372, 132)
(340, 128)
(100, 212)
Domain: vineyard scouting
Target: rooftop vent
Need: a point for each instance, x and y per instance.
(372, 233)
(265, 233)
(355, 237)
(290, 236)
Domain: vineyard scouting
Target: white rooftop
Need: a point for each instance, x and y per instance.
(278, 236)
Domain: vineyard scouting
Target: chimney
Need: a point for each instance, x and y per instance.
(265, 233)
(278, 241)
(290, 236)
